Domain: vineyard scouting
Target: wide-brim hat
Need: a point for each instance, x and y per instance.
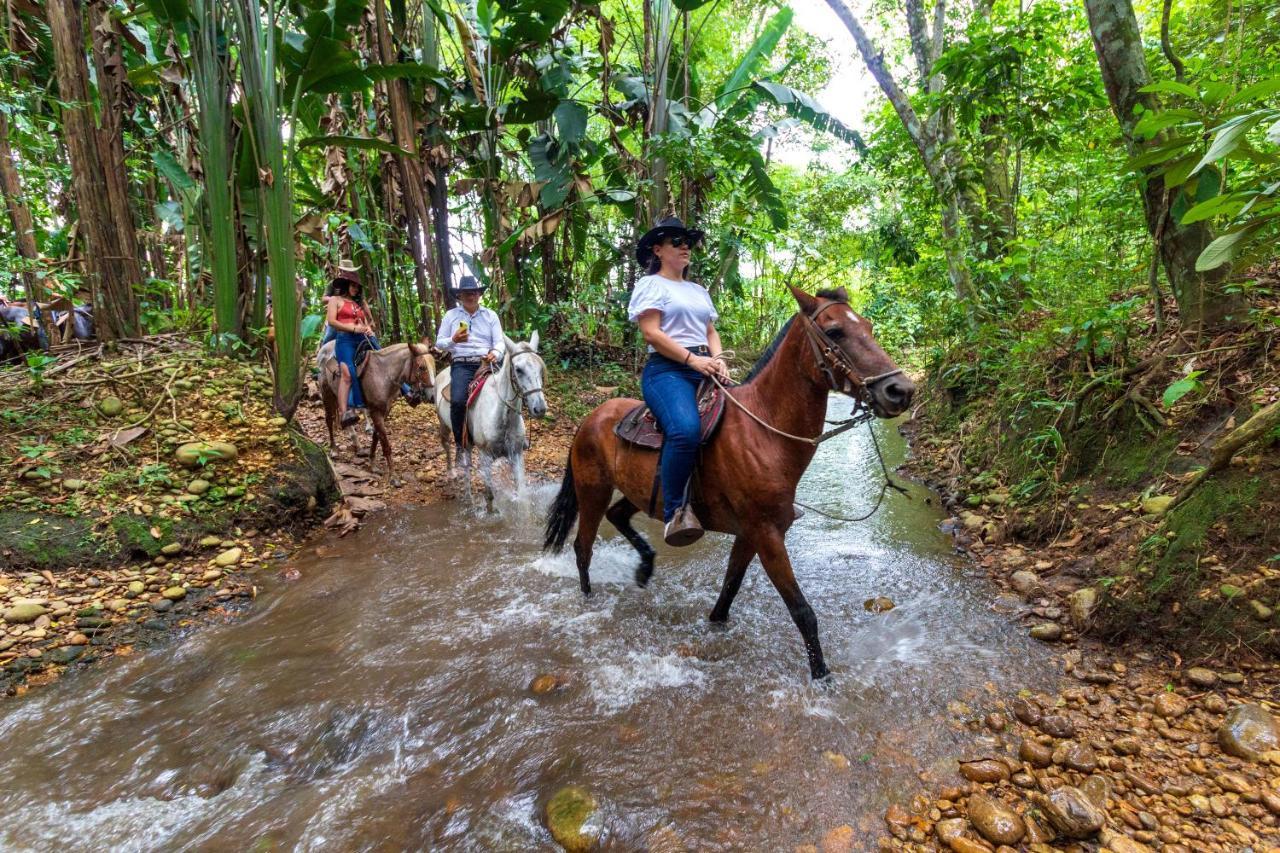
(667, 227)
(347, 271)
(469, 284)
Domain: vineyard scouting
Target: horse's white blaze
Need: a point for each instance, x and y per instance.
(852, 316)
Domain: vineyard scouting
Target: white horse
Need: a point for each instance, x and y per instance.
(495, 425)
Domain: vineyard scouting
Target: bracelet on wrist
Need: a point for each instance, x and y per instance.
(687, 356)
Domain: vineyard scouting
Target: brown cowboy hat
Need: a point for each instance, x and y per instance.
(347, 271)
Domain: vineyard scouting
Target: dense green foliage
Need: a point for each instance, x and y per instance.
(529, 141)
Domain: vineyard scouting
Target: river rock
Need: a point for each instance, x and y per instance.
(110, 406)
(229, 557)
(950, 829)
(1201, 677)
(1080, 758)
(997, 823)
(1082, 601)
(879, 604)
(1119, 843)
(64, 654)
(1058, 726)
(210, 541)
(172, 549)
(137, 587)
(175, 593)
(1027, 584)
(838, 840)
(1071, 812)
(162, 605)
(24, 612)
(1261, 612)
(198, 487)
(1046, 632)
(1214, 704)
(73, 485)
(196, 453)
(1025, 711)
(985, 770)
(1170, 705)
(1035, 753)
(1247, 732)
(574, 819)
(1098, 789)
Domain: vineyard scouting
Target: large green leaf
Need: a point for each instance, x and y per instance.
(760, 188)
(752, 62)
(805, 108)
(366, 142)
(571, 121)
(1223, 205)
(1171, 86)
(172, 170)
(1226, 139)
(1223, 249)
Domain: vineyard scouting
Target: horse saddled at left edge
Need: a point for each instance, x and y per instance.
(747, 476)
(381, 374)
(495, 420)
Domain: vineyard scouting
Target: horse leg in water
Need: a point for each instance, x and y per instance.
(516, 461)
(777, 564)
(486, 477)
(592, 501)
(739, 558)
(619, 516)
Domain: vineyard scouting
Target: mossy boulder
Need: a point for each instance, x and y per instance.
(197, 453)
(574, 819)
(110, 406)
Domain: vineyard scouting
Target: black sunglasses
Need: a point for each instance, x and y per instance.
(679, 242)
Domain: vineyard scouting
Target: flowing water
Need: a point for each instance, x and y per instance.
(383, 702)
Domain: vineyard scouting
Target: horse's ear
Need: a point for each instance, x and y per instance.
(807, 303)
(533, 341)
(511, 345)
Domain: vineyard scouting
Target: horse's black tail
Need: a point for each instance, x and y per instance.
(563, 512)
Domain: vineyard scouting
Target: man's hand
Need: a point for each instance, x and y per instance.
(490, 358)
(461, 335)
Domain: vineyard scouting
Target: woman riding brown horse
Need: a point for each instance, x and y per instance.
(747, 475)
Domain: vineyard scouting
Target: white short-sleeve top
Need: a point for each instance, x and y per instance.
(685, 307)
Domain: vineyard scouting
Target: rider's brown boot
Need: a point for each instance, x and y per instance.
(683, 528)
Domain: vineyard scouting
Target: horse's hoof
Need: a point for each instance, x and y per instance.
(643, 576)
(718, 619)
(586, 590)
(823, 677)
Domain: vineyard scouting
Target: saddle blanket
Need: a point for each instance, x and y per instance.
(640, 427)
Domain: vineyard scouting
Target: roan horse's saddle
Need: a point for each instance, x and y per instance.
(640, 427)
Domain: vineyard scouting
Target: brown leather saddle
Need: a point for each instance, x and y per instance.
(640, 427)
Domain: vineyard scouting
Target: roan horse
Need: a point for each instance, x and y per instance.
(747, 474)
(380, 378)
(495, 425)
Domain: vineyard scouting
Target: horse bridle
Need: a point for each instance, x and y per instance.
(515, 386)
(834, 364)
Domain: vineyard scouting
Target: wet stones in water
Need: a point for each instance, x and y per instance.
(949, 830)
(64, 654)
(1036, 754)
(1071, 813)
(548, 683)
(1076, 756)
(229, 557)
(1025, 711)
(985, 770)
(1248, 731)
(1214, 704)
(996, 822)
(162, 605)
(1047, 632)
(879, 604)
(1058, 726)
(157, 624)
(838, 840)
(1098, 789)
(574, 819)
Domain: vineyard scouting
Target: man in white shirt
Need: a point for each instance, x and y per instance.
(472, 335)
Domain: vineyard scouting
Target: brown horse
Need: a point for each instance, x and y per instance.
(380, 378)
(747, 475)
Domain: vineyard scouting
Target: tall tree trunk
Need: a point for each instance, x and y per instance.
(410, 169)
(1202, 298)
(662, 40)
(111, 259)
(23, 228)
(927, 143)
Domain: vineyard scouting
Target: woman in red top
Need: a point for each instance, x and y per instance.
(349, 317)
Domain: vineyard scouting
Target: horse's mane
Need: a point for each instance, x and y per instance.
(770, 351)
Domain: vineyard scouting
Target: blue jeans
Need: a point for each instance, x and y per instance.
(345, 350)
(460, 376)
(671, 392)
